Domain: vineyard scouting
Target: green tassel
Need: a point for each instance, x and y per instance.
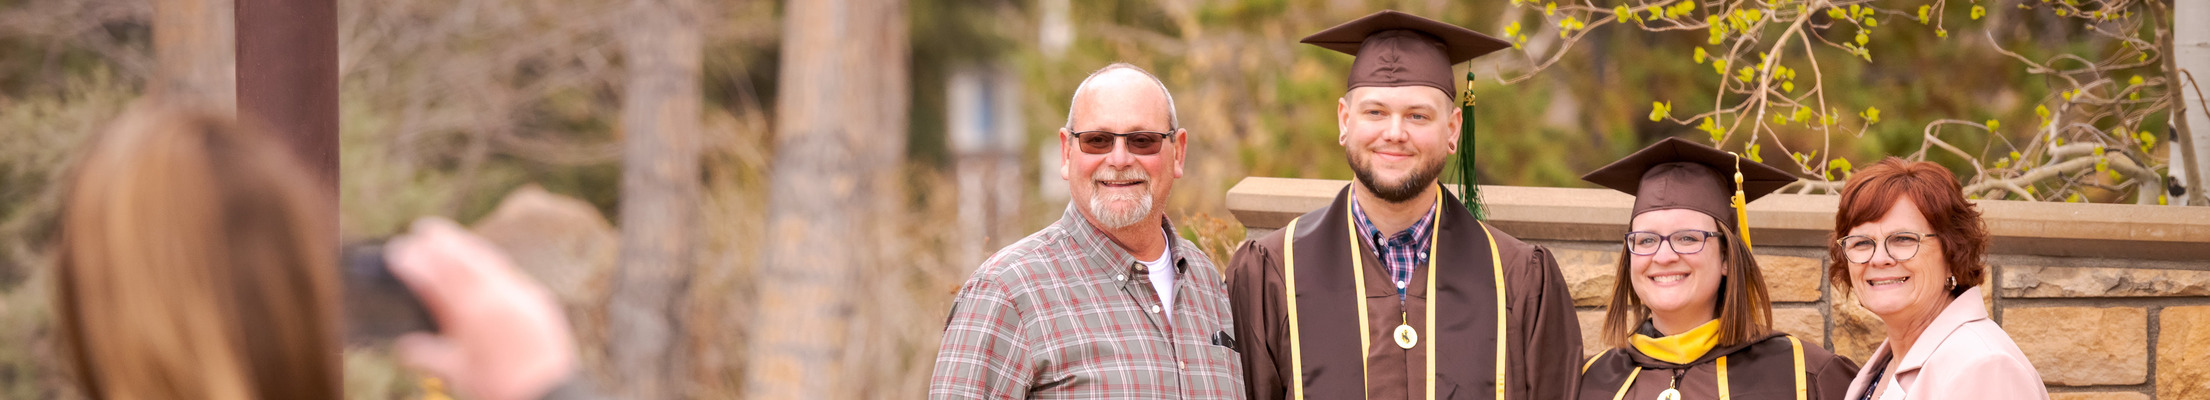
(1468, 192)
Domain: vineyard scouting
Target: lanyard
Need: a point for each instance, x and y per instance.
(1405, 336)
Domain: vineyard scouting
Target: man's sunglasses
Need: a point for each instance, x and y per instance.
(1142, 143)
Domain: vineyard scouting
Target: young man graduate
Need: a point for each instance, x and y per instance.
(1395, 291)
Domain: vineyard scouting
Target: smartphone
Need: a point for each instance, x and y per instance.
(378, 307)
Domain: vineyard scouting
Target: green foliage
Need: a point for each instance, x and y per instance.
(1911, 73)
(1837, 165)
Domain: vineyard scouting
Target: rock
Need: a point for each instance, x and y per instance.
(2098, 396)
(561, 241)
(2036, 281)
(1792, 279)
(1857, 332)
(1589, 274)
(1805, 323)
(2182, 366)
(2081, 346)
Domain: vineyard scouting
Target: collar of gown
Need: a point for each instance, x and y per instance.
(1682, 348)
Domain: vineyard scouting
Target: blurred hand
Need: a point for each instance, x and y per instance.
(503, 336)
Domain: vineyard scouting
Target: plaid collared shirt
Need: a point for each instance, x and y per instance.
(1067, 314)
(1404, 251)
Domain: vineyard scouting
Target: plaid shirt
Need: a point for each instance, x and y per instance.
(1067, 314)
(1403, 252)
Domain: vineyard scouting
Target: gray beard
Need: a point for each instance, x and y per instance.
(1101, 207)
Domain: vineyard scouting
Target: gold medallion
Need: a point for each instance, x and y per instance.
(1406, 337)
(1669, 394)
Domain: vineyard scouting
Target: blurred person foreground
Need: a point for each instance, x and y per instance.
(767, 199)
(197, 260)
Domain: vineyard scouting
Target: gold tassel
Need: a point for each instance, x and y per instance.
(1741, 206)
(433, 388)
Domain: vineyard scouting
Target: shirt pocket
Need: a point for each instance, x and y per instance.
(1219, 366)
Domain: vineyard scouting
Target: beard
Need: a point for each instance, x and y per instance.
(1395, 192)
(1101, 204)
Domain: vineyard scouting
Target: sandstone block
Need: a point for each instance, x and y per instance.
(1803, 322)
(1588, 274)
(2081, 346)
(2182, 365)
(1857, 332)
(1792, 279)
(1592, 323)
(2098, 396)
(2037, 281)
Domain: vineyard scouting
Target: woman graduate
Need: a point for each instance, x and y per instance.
(1689, 315)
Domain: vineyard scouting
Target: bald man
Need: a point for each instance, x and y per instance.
(1107, 302)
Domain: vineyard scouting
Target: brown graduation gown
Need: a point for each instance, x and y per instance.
(1760, 369)
(1544, 337)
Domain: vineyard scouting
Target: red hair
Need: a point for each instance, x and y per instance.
(1872, 192)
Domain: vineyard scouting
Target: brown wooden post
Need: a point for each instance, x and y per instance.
(288, 76)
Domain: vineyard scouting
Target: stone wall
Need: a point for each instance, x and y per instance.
(2093, 332)
(2108, 301)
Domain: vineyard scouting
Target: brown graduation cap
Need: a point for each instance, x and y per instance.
(1398, 49)
(1678, 174)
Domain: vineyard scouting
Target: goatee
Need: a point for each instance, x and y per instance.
(1400, 191)
(1101, 204)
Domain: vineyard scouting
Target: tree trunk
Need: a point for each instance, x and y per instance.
(660, 190)
(840, 134)
(2191, 52)
(193, 52)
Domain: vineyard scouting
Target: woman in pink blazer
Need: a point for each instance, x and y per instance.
(1912, 247)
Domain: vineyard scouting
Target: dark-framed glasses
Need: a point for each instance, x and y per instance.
(1142, 143)
(1901, 246)
(1689, 241)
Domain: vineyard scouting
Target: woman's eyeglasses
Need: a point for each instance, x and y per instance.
(1684, 242)
(1901, 246)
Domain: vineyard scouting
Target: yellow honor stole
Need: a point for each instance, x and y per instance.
(1683, 348)
(1687, 347)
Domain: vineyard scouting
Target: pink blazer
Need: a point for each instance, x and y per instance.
(1962, 355)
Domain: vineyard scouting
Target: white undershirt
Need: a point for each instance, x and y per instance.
(1162, 278)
